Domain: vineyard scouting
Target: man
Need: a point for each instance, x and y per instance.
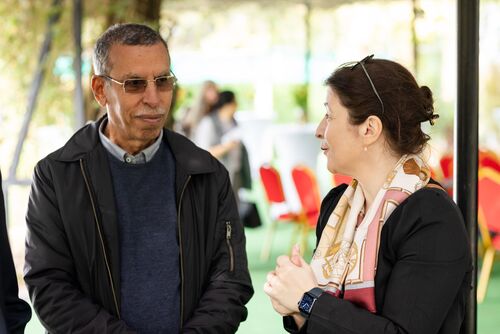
(132, 228)
(14, 312)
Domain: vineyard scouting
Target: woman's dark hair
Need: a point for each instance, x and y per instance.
(405, 104)
(225, 97)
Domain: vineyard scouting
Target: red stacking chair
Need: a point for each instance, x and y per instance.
(446, 163)
(489, 224)
(489, 159)
(307, 189)
(279, 210)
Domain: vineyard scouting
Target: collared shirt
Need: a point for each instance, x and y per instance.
(140, 158)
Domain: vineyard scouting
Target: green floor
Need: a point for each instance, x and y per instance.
(263, 319)
(261, 316)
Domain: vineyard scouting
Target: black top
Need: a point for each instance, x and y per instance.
(14, 312)
(423, 276)
(73, 266)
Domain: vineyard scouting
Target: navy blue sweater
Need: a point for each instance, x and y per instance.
(149, 249)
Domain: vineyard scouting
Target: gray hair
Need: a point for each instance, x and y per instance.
(126, 34)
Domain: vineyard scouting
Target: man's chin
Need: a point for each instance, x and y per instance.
(152, 133)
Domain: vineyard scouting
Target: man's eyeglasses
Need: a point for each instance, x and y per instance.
(164, 83)
(362, 64)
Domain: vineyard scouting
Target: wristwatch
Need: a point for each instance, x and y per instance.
(307, 301)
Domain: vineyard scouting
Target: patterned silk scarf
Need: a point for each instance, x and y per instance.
(345, 261)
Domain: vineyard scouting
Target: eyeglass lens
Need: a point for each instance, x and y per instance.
(163, 83)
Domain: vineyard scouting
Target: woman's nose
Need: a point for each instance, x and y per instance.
(320, 130)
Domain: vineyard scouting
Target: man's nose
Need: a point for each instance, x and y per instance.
(151, 96)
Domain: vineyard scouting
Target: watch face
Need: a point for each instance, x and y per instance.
(306, 303)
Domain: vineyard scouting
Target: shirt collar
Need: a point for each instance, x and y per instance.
(142, 157)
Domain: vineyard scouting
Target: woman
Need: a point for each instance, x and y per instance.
(218, 134)
(208, 96)
(393, 255)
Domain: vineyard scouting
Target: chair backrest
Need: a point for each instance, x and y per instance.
(272, 184)
(489, 159)
(446, 163)
(338, 179)
(307, 189)
(489, 199)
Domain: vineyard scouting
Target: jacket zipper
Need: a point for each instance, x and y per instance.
(180, 246)
(101, 238)
(229, 246)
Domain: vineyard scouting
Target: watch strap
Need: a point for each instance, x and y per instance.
(315, 292)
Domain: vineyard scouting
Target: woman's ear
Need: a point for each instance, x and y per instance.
(370, 130)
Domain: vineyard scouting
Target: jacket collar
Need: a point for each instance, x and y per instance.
(189, 157)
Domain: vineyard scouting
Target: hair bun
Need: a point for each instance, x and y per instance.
(427, 95)
(428, 105)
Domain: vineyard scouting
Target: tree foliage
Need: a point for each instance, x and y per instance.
(24, 29)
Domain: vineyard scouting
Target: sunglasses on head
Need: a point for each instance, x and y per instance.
(362, 63)
(164, 83)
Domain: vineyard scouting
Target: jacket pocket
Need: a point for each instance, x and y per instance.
(229, 231)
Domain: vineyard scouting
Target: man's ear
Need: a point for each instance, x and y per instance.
(370, 130)
(97, 84)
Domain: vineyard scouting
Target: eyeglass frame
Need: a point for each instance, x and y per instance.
(122, 83)
(362, 64)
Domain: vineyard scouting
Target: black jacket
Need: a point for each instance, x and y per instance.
(423, 273)
(72, 249)
(14, 312)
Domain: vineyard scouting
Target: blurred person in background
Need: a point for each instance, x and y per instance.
(392, 252)
(131, 227)
(218, 133)
(14, 312)
(207, 97)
